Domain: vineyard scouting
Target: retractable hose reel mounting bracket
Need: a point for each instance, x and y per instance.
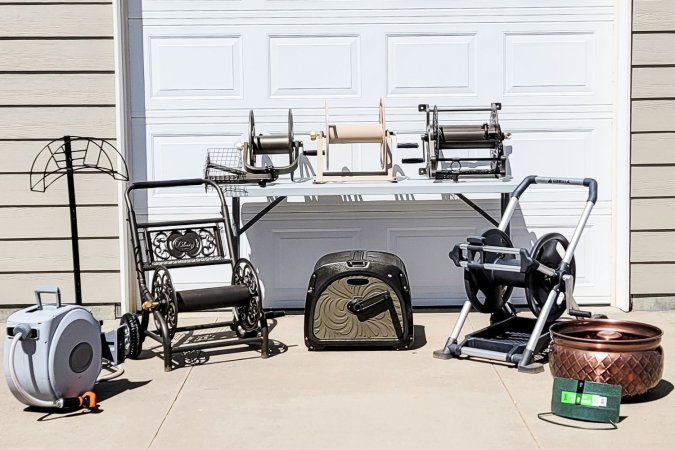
(354, 133)
(439, 138)
(493, 267)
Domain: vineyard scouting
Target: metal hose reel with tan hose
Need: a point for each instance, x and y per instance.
(354, 133)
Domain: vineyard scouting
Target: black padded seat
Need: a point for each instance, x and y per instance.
(215, 297)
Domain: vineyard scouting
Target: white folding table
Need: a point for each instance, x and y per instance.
(281, 189)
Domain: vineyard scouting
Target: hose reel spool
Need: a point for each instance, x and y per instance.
(355, 133)
(270, 144)
(231, 166)
(439, 137)
(489, 290)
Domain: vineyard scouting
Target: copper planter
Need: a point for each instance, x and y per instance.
(608, 351)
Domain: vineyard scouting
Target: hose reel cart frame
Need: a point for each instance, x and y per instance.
(161, 246)
(493, 267)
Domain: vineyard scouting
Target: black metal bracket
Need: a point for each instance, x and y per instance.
(479, 210)
(241, 229)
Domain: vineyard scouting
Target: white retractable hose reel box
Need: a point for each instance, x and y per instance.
(53, 353)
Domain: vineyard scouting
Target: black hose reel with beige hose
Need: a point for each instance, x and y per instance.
(54, 354)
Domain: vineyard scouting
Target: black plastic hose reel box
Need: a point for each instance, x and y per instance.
(358, 298)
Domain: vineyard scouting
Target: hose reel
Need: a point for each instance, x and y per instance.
(439, 137)
(270, 144)
(354, 133)
(53, 353)
(489, 290)
(232, 166)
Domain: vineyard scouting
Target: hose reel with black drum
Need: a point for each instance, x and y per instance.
(493, 267)
(225, 166)
(442, 137)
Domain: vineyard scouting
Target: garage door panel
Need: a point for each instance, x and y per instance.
(460, 9)
(440, 64)
(314, 66)
(549, 63)
(192, 67)
(210, 67)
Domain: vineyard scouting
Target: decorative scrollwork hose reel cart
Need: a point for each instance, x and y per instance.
(163, 246)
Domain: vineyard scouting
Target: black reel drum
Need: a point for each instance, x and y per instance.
(270, 144)
(549, 251)
(489, 290)
(485, 292)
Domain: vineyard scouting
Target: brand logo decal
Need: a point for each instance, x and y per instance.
(184, 244)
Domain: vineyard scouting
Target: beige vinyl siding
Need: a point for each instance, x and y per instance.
(74, 89)
(652, 252)
(56, 78)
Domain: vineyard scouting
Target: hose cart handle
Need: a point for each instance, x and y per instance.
(47, 289)
(590, 183)
(168, 183)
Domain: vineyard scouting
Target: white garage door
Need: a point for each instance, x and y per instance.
(198, 66)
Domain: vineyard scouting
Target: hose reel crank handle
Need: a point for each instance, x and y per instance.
(572, 306)
(410, 160)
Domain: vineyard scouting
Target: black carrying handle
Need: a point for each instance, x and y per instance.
(590, 183)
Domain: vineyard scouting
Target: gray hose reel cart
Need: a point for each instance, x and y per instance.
(493, 267)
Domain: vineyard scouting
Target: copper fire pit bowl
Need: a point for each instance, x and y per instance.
(608, 351)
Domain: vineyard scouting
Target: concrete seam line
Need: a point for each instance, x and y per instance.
(515, 404)
(170, 407)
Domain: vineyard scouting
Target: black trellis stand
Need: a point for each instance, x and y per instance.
(65, 156)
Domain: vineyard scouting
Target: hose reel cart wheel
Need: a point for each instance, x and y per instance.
(248, 317)
(485, 293)
(133, 340)
(549, 251)
(165, 294)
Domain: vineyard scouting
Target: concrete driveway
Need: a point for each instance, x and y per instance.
(346, 399)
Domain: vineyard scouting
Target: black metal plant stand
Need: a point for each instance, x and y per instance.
(65, 156)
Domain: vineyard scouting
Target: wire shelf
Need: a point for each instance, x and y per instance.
(224, 167)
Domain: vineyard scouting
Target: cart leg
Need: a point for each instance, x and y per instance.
(264, 332)
(445, 352)
(166, 340)
(526, 364)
